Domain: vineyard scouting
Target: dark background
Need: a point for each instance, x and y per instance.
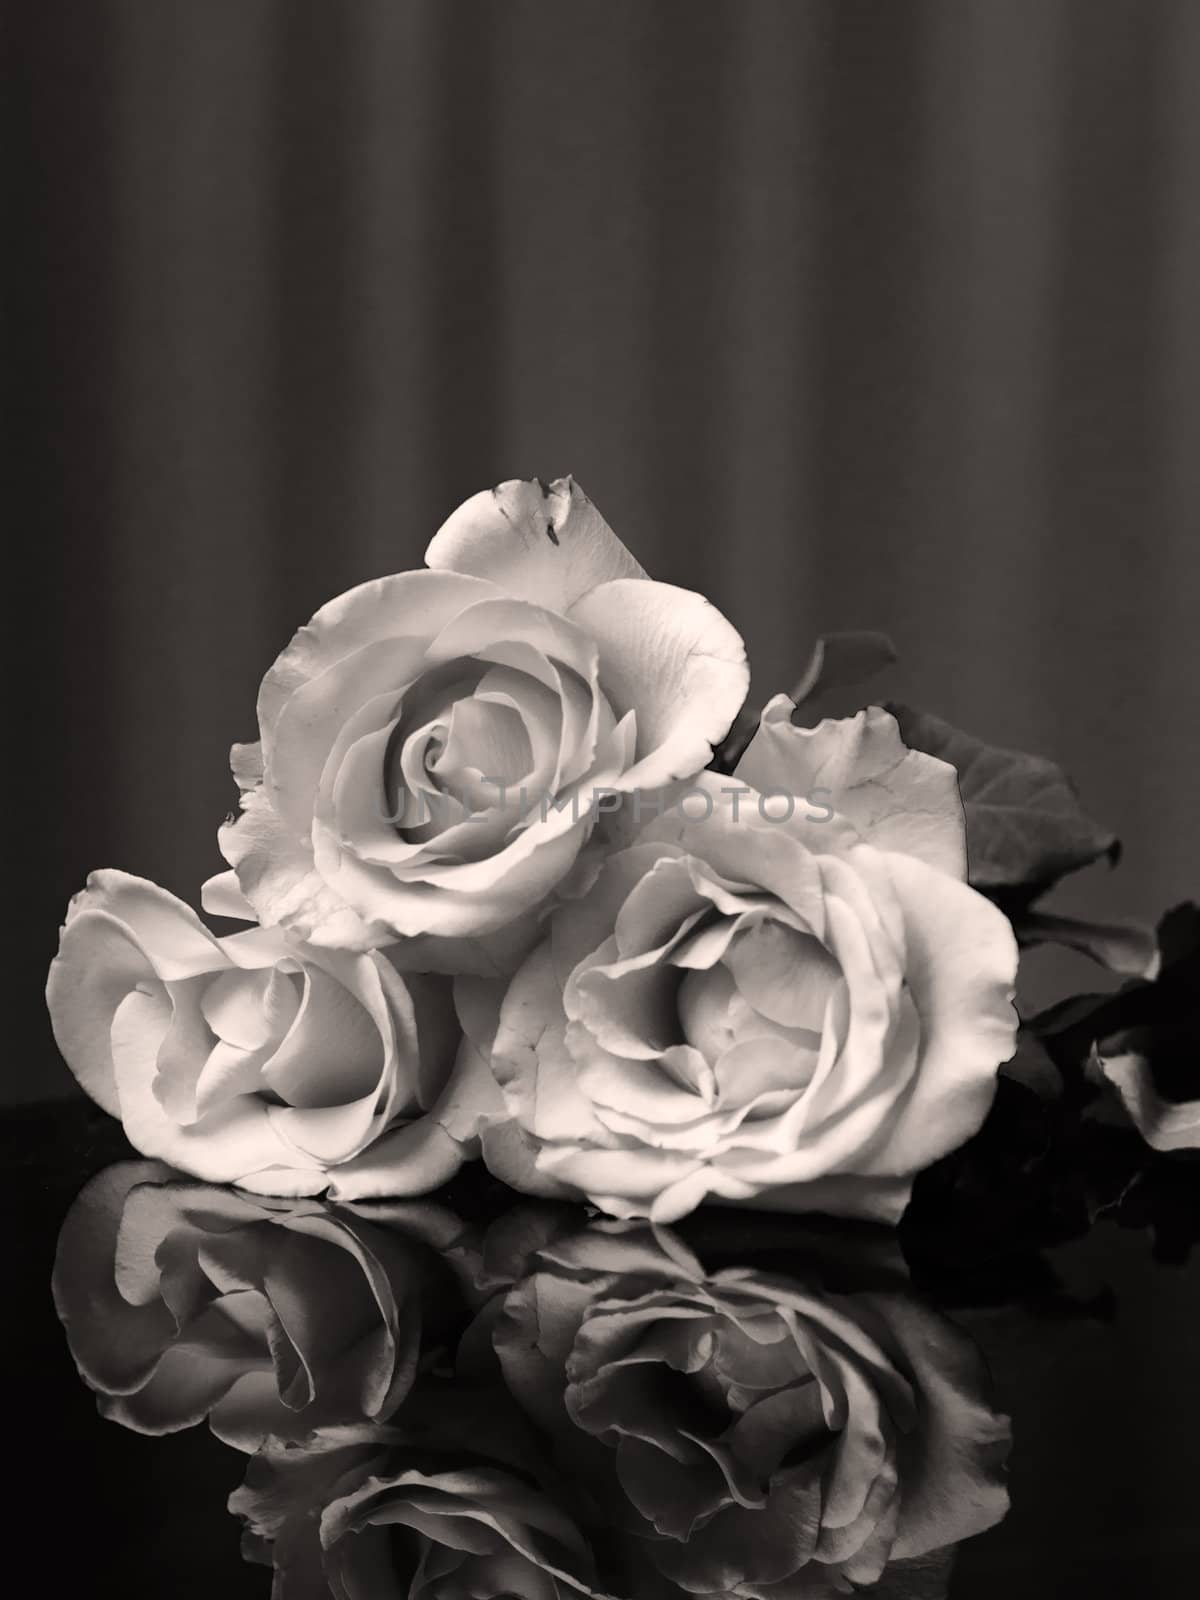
(848, 314)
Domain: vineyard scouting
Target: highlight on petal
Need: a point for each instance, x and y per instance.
(898, 799)
(221, 896)
(102, 957)
(544, 542)
(961, 971)
(670, 656)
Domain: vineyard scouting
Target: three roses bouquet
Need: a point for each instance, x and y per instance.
(514, 891)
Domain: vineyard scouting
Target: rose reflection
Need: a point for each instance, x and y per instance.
(183, 1301)
(545, 1408)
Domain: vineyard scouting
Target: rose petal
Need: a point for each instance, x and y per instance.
(332, 1053)
(577, 932)
(120, 930)
(220, 896)
(785, 975)
(512, 1155)
(531, 1061)
(311, 719)
(669, 655)
(755, 1067)
(898, 799)
(249, 1009)
(545, 543)
(222, 1147)
(736, 850)
(482, 630)
(277, 876)
(409, 1160)
(484, 736)
(961, 971)
(628, 1007)
(407, 603)
(459, 899)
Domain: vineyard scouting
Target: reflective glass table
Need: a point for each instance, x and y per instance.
(478, 1396)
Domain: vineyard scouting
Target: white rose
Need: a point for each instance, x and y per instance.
(252, 1060)
(801, 1014)
(398, 728)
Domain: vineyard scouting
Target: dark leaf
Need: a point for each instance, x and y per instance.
(1163, 1010)
(1025, 826)
(841, 660)
(1127, 949)
(1032, 1066)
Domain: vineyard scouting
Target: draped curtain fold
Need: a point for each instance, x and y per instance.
(849, 313)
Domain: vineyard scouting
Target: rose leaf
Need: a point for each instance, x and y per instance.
(1025, 826)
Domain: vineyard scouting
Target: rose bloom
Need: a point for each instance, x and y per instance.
(440, 1507)
(759, 1434)
(800, 1013)
(182, 1301)
(397, 730)
(252, 1060)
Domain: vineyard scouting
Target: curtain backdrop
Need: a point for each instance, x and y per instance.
(873, 315)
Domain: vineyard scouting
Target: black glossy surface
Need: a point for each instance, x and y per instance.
(1100, 1375)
